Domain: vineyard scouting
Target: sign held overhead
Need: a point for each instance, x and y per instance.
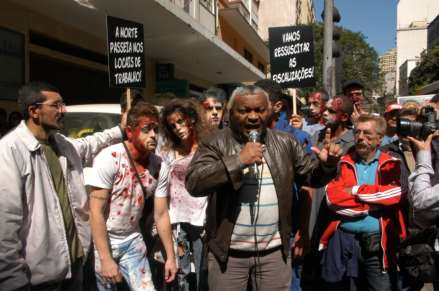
(126, 58)
(292, 56)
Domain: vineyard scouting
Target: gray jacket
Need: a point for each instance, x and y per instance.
(33, 244)
(423, 194)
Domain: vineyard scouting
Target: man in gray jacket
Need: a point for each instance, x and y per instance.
(424, 181)
(45, 234)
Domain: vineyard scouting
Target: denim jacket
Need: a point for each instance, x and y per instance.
(33, 244)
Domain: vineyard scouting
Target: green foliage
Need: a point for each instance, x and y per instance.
(359, 60)
(426, 72)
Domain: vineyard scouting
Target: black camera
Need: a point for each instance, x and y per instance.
(427, 124)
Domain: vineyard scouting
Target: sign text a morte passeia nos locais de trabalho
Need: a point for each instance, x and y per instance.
(126, 59)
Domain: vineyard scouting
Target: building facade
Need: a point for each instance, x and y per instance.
(387, 64)
(64, 42)
(273, 13)
(413, 18)
(404, 74)
(433, 33)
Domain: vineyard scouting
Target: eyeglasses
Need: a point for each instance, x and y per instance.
(57, 105)
(150, 126)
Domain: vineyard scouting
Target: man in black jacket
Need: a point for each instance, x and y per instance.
(248, 170)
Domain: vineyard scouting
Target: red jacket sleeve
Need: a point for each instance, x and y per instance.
(342, 202)
(387, 190)
(379, 194)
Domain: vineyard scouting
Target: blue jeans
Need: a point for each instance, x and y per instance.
(133, 264)
(190, 248)
(372, 277)
(295, 281)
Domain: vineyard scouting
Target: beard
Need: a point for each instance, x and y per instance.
(362, 149)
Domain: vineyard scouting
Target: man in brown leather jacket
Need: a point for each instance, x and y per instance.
(249, 178)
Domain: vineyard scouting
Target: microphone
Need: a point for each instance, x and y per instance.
(254, 137)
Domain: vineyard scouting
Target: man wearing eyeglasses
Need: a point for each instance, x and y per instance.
(45, 234)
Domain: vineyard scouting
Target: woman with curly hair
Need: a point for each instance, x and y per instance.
(177, 213)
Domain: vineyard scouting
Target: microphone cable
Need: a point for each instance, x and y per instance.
(257, 260)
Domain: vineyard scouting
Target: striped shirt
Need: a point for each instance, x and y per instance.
(259, 213)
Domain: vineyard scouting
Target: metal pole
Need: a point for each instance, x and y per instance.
(333, 78)
(327, 46)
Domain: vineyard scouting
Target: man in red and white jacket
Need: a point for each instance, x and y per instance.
(367, 220)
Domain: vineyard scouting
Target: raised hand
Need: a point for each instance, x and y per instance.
(356, 114)
(296, 121)
(423, 144)
(331, 152)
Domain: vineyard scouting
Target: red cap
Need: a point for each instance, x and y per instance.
(392, 107)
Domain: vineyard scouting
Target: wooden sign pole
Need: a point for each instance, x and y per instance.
(128, 99)
(294, 102)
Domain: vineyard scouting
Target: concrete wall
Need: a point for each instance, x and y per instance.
(274, 13)
(411, 41)
(419, 10)
(404, 73)
(389, 83)
(231, 37)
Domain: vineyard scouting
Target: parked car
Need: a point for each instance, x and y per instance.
(83, 120)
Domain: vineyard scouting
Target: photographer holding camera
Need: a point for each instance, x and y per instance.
(424, 182)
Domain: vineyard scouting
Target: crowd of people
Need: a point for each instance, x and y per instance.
(222, 193)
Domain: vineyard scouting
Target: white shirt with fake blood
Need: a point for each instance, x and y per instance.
(182, 206)
(112, 170)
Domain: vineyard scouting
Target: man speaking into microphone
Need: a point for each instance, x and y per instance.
(249, 216)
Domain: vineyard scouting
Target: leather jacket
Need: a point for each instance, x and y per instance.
(216, 171)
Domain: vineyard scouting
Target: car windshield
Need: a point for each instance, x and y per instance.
(80, 124)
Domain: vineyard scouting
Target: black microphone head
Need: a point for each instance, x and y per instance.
(254, 135)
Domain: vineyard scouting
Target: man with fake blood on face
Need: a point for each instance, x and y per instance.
(317, 104)
(248, 170)
(336, 118)
(123, 177)
(213, 102)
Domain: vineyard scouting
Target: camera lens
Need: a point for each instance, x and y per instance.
(406, 127)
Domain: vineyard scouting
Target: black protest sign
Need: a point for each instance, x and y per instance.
(126, 59)
(292, 56)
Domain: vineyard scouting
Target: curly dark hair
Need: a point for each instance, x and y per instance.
(141, 109)
(186, 107)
